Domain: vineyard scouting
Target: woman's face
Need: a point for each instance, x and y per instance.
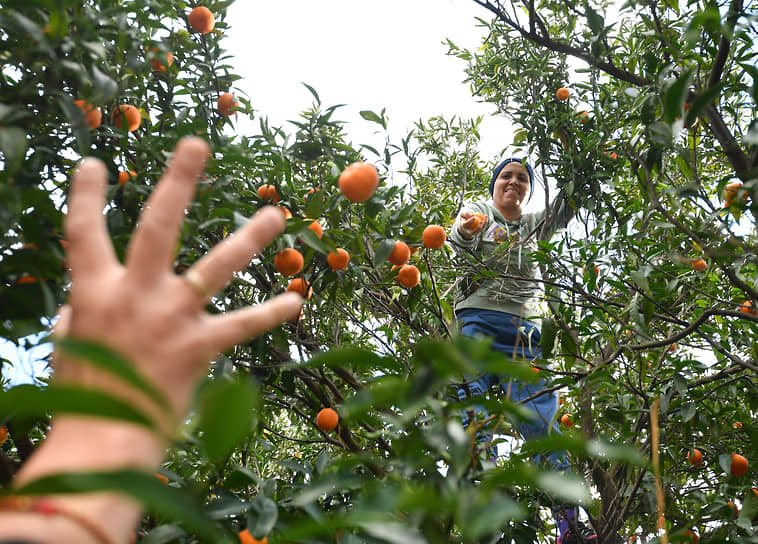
(511, 188)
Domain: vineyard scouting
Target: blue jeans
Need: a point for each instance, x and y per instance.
(516, 338)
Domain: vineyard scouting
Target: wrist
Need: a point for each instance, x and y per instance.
(465, 233)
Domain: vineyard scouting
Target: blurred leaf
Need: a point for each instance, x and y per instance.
(101, 357)
(31, 401)
(226, 412)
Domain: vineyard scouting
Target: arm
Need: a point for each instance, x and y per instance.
(157, 321)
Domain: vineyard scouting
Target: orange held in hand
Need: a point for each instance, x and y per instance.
(92, 115)
(247, 538)
(695, 457)
(562, 93)
(338, 260)
(475, 222)
(739, 465)
(268, 192)
(289, 262)
(699, 264)
(327, 419)
(400, 254)
(300, 286)
(358, 181)
(434, 237)
(128, 117)
(225, 104)
(201, 20)
(409, 276)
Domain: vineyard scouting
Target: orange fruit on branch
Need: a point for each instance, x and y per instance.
(289, 262)
(695, 456)
(566, 420)
(732, 192)
(3, 435)
(124, 176)
(128, 117)
(327, 419)
(300, 286)
(201, 20)
(692, 536)
(338, 260)
(434, 237)
(317, 229)
(225, 104)
(358, 181)
(562, 94)
(285, 212)
(747, 308)
(268, 192)
(162, 477)
(400, 254)
(409, 276)
(92, 115)
(699, 265)
(247, 538)
(739, 465)
(158, 66)
(583, 116)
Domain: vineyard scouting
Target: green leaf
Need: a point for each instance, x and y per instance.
(675, 95)
(383, 251)
(226, 415)
(13, 145)
(31, 401)
(104, 88)
(393, 532)
(262, 516)
(313, 92)
(108, 360)
(148, 490)
(371, 116)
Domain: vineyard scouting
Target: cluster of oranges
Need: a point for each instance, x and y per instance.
(738, 467)
(357, 183)
(128, 117)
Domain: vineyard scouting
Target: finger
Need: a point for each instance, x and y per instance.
(89, 249)
(234, 253)
(226, 330)
(60, 329)
(151, 251)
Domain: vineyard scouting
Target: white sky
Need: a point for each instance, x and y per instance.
(365, 54)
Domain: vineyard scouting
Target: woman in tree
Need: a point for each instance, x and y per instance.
(157, 321)
(505, 307)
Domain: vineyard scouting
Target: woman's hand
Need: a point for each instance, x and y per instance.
(471, 223)
(153, 317)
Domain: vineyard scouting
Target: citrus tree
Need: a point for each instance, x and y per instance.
(344, 425)
(644, 118)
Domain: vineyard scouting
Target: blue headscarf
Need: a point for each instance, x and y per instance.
(499, 167)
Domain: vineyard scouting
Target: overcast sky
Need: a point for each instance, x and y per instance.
(365, 54)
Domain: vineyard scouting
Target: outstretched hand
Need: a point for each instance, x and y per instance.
(153, 317)
(470, 224)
